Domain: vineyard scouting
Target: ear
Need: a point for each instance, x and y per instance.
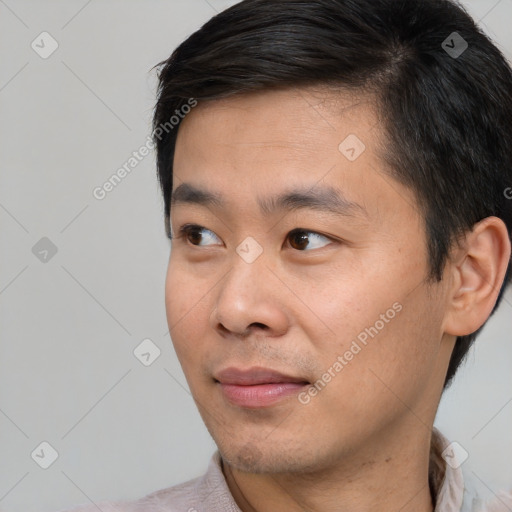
(477, 270)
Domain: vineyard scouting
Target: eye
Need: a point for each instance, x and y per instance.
(195, 234)
(300, 238)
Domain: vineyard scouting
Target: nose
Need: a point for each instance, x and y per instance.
(250, 299)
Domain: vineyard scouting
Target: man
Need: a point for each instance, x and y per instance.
(336, 196)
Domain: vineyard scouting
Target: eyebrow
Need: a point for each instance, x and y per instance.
(322, 198)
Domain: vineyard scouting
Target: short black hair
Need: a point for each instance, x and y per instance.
(444, 92)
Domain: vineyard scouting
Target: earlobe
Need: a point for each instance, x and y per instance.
(478, 271)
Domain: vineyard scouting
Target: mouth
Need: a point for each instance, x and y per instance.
(257, 387)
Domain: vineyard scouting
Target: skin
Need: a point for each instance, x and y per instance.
(363, 440)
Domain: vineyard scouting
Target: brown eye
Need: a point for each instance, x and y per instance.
(194, 236)
(300, 239)
(197, 235)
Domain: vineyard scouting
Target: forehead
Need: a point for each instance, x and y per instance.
(290, 131)
(289, 122)
(250, 147)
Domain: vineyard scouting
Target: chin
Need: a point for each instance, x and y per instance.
(266, 457)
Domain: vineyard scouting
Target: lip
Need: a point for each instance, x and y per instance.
(257, 387)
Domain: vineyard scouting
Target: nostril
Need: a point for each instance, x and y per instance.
(260, 325)
(245, 333)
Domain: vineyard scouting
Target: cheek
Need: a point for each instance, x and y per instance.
(182, 294)
(186, 304)
(340, 309)
(391, 363)
(382, 324)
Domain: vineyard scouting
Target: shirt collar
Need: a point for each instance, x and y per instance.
(447, 482)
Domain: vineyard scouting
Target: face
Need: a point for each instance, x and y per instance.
(296, 294)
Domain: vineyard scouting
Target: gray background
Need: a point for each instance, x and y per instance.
(69, 325)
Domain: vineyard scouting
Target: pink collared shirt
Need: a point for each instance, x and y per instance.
(210, 493)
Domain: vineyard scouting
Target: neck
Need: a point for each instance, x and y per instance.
(385, 479)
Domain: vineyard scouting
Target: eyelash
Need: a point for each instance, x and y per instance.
(186, 229)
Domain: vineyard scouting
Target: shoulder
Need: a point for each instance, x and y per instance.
(462, 490)
(480, 496)
(500, 502)
(171, 499)
(184, 497)
(503, 502)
